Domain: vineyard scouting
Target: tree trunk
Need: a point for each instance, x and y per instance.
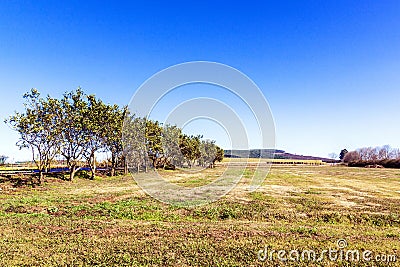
(92, 166)
(112, 165)
(125, 166)
(112, 172)
(72, 172)
(41, 177)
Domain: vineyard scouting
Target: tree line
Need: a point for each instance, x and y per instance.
(385, 156)
(77, 126)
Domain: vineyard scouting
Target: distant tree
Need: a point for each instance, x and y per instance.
(208, 151)
(219, 156)
(113, 126)
(39, 128)
(384, 152)
(368, 153)
(352, 156)
(190, 148)
(133, 142)
(395, 154)
(3, 159)
(171, 153)
(343, 154)
(153, 139)
(333, 155)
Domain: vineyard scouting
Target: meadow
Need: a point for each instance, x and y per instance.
(111, 222)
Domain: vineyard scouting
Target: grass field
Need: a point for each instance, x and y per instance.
(110, 222)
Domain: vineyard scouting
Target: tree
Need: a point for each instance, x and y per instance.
(39, 129)
(352, 156)
(219, 156)
(171, 153)
(333, 155)
(208, 153)
(153, 137)
(134, 141)
(3, 159)
(343, 154)
(113, 126)
(384, 152)
(95, 118)
(395, 154)
(190, 148)
(73, 126)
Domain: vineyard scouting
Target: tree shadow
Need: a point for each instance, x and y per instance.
(20, 180)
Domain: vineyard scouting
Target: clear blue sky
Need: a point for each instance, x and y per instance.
(329, 69)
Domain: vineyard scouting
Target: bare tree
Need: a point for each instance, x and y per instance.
(352, 156)
(395, 153)
(384, 152)
(333, 155)
(368, 153)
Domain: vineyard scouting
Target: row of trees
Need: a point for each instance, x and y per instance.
(78, 126)
(372, 154)
(384, 155)
(166, 146)
(74, 127)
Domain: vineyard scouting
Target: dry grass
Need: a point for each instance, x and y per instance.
(111, 222)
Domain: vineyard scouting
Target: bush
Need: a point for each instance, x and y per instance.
(387, 163)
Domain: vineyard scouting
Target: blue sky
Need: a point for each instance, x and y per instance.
(329, 69)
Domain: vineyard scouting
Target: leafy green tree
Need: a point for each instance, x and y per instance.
(113, 126)
(171, 153)
(208, 153)
(219, 155)
(39, 128)
(95, 133)
(154, 133)
(134, 142)
(190, 148)
(73, 126)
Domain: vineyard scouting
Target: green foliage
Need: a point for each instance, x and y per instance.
(134, 141)
(78, 126)
(190, 148)
(343, 154)
(39, 128)
(73, 126)
(113, 125)
(170, 140)
(153, 135)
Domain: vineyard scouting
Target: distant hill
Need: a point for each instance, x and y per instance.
(271, 153)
